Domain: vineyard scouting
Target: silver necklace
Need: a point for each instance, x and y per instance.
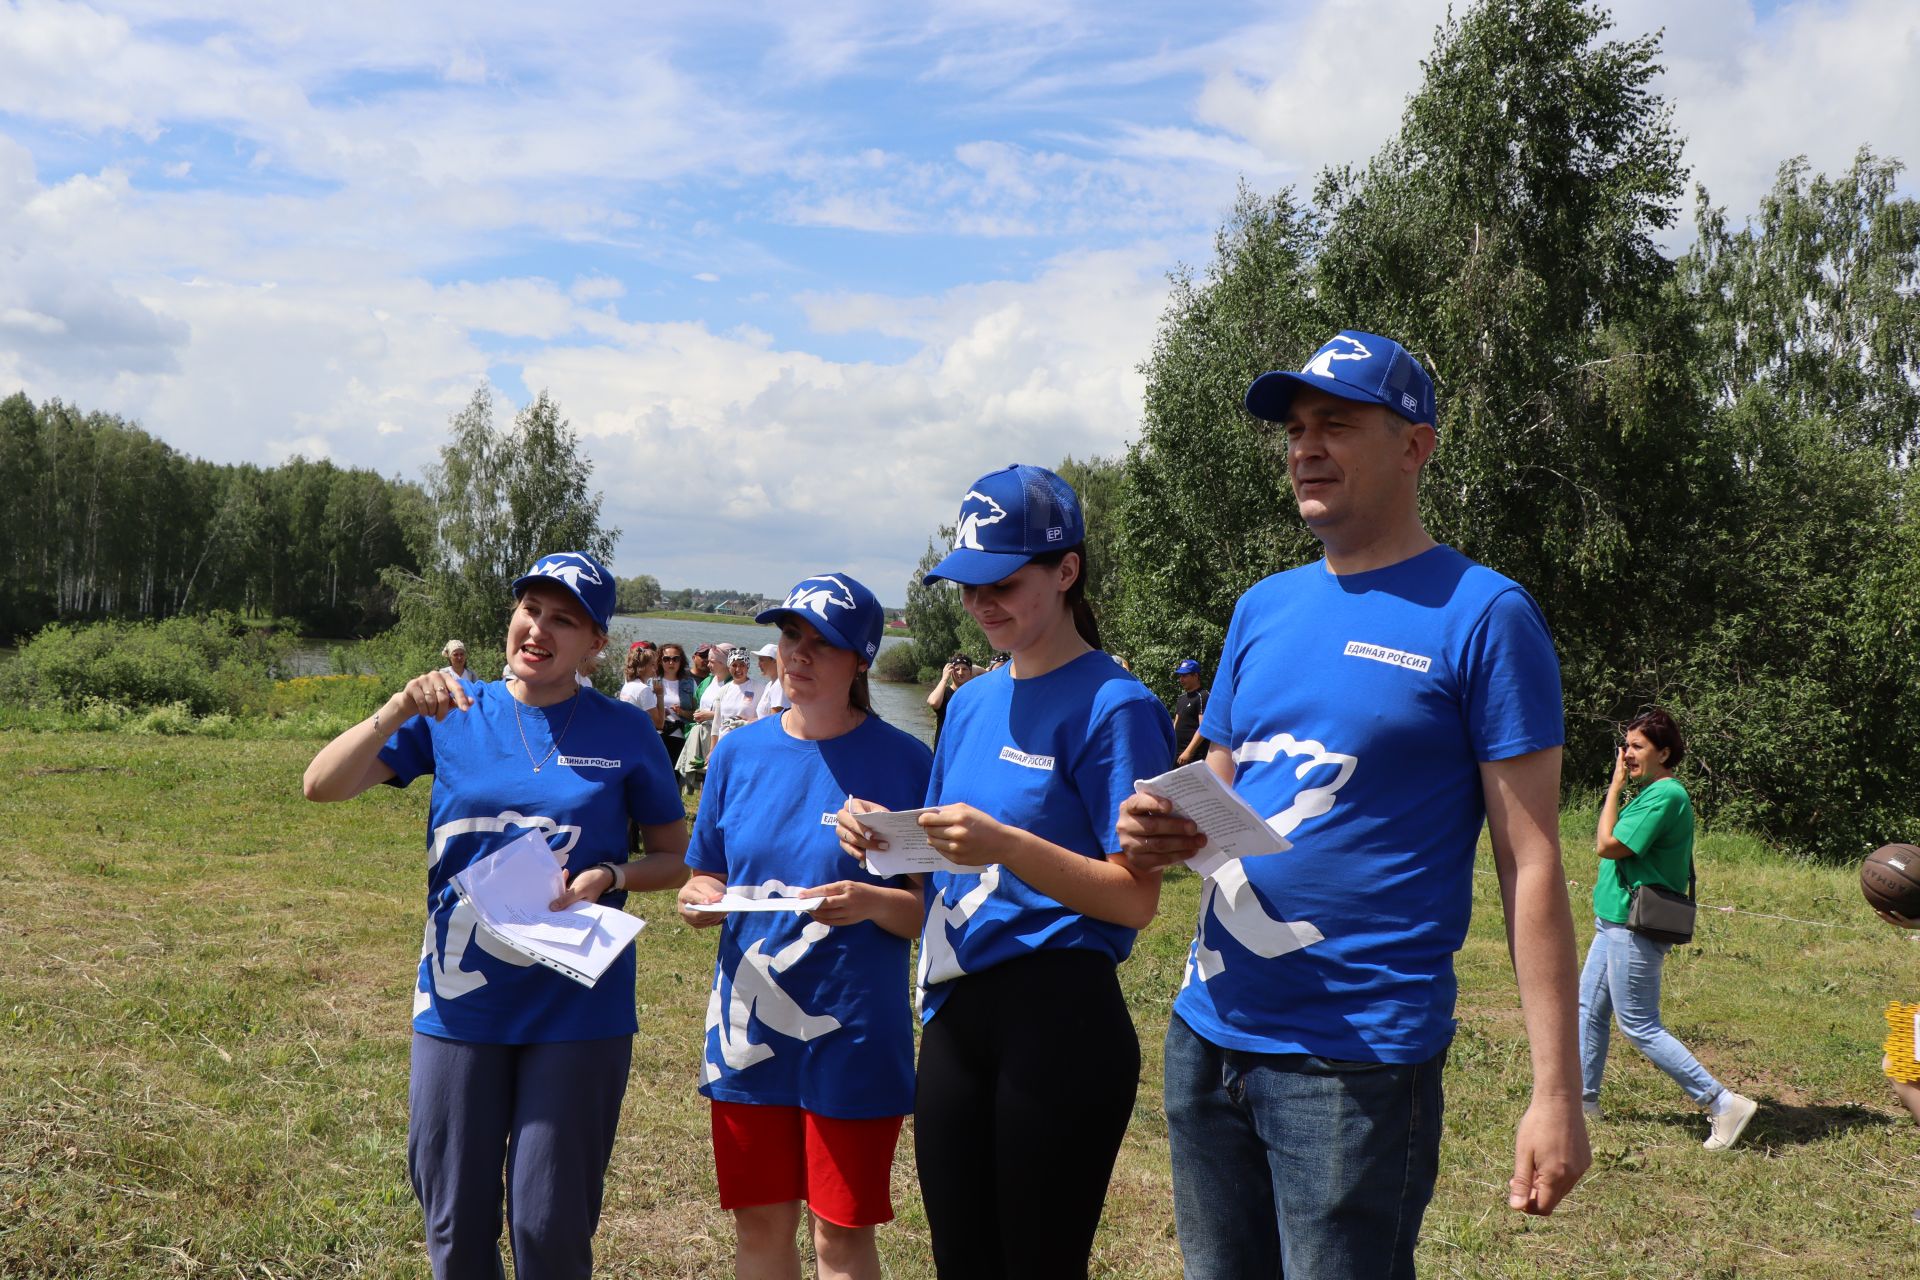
(556, 737)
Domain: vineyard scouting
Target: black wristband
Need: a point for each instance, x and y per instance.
(613, 870)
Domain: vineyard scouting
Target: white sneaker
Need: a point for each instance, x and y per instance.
(1591, 1110)
(1730, 1121)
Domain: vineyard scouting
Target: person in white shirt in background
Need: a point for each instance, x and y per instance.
(737, 699)
(772, 699)
(692, 763)
(455, 652)
(642, 687)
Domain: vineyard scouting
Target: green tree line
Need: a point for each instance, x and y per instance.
(98, 519)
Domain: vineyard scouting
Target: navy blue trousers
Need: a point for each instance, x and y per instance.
(528, 1124)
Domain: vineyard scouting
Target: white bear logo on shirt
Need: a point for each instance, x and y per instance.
(757, 994)
(444, 969)
(938, 961)
(1229, 899)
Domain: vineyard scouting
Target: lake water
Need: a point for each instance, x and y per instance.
(901, 705)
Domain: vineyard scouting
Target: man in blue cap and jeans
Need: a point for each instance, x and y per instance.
(1379, 705)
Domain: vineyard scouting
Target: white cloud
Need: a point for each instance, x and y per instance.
(814, 462)
(1813, 79)
(1326, 87)
(1748, 92)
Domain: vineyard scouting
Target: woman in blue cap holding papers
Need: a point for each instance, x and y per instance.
(1028, 1059)
(516, 1067)
(809, 1041)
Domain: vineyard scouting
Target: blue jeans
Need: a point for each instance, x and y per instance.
(1298, 1164)
(1622, 980)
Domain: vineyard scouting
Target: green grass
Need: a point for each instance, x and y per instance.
(204, 992)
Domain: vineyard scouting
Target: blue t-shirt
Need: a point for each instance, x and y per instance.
(805, 1014)
(1358, 708)
(1054, 755)
(610, 766)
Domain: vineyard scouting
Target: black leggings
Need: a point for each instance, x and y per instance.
(1026, 1083)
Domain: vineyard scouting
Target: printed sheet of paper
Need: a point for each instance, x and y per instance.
(738, 902)
(907, 850)
(510, 889)
(1232, 826)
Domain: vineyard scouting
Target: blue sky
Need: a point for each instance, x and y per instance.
(797, 273)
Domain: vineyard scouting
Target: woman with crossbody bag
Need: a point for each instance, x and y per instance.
(1642, 897)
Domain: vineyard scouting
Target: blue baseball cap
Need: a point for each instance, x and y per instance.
(840, 609)
(1008, 517)
(1354, 366)
(586, 578)
(1186, 667)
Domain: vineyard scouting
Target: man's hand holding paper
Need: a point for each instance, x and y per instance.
(1189, 814)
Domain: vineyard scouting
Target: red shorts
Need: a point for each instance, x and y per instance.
(843, 1169)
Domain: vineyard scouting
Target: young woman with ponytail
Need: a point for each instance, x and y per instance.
(1028, 1059)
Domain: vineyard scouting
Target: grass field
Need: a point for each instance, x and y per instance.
(205, 985)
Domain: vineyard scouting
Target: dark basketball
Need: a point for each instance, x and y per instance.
(1890, 877)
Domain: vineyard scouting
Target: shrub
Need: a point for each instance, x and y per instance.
(208, 664)
(169, 720)
(897, 664)
(349, 697)
(101, 715)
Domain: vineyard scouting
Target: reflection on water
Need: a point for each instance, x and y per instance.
(903, 705)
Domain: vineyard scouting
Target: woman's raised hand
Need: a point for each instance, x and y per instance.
(434, 694)
(1619, 769)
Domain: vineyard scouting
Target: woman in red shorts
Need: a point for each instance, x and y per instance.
(809, 1044)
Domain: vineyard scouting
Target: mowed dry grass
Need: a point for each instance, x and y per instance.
(205, 984)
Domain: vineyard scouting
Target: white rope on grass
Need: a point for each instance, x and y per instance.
(1762, 915)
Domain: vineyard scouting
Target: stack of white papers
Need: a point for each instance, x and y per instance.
(1233, 828)
(510, 889)
(908, 849)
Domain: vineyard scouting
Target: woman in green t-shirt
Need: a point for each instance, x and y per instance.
(1648, 842)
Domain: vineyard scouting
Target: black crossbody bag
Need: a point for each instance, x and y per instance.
(1659, 913)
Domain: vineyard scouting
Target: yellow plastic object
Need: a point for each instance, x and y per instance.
(1900, 1048)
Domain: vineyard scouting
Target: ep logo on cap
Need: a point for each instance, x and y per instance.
(582, 575)
(1353, 366)
(843, 611)
(1008, 517)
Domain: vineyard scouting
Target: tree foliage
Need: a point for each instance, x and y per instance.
(638, 594)
(940, 624)
(498, 498)
(98, 519)
(1803, 686)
